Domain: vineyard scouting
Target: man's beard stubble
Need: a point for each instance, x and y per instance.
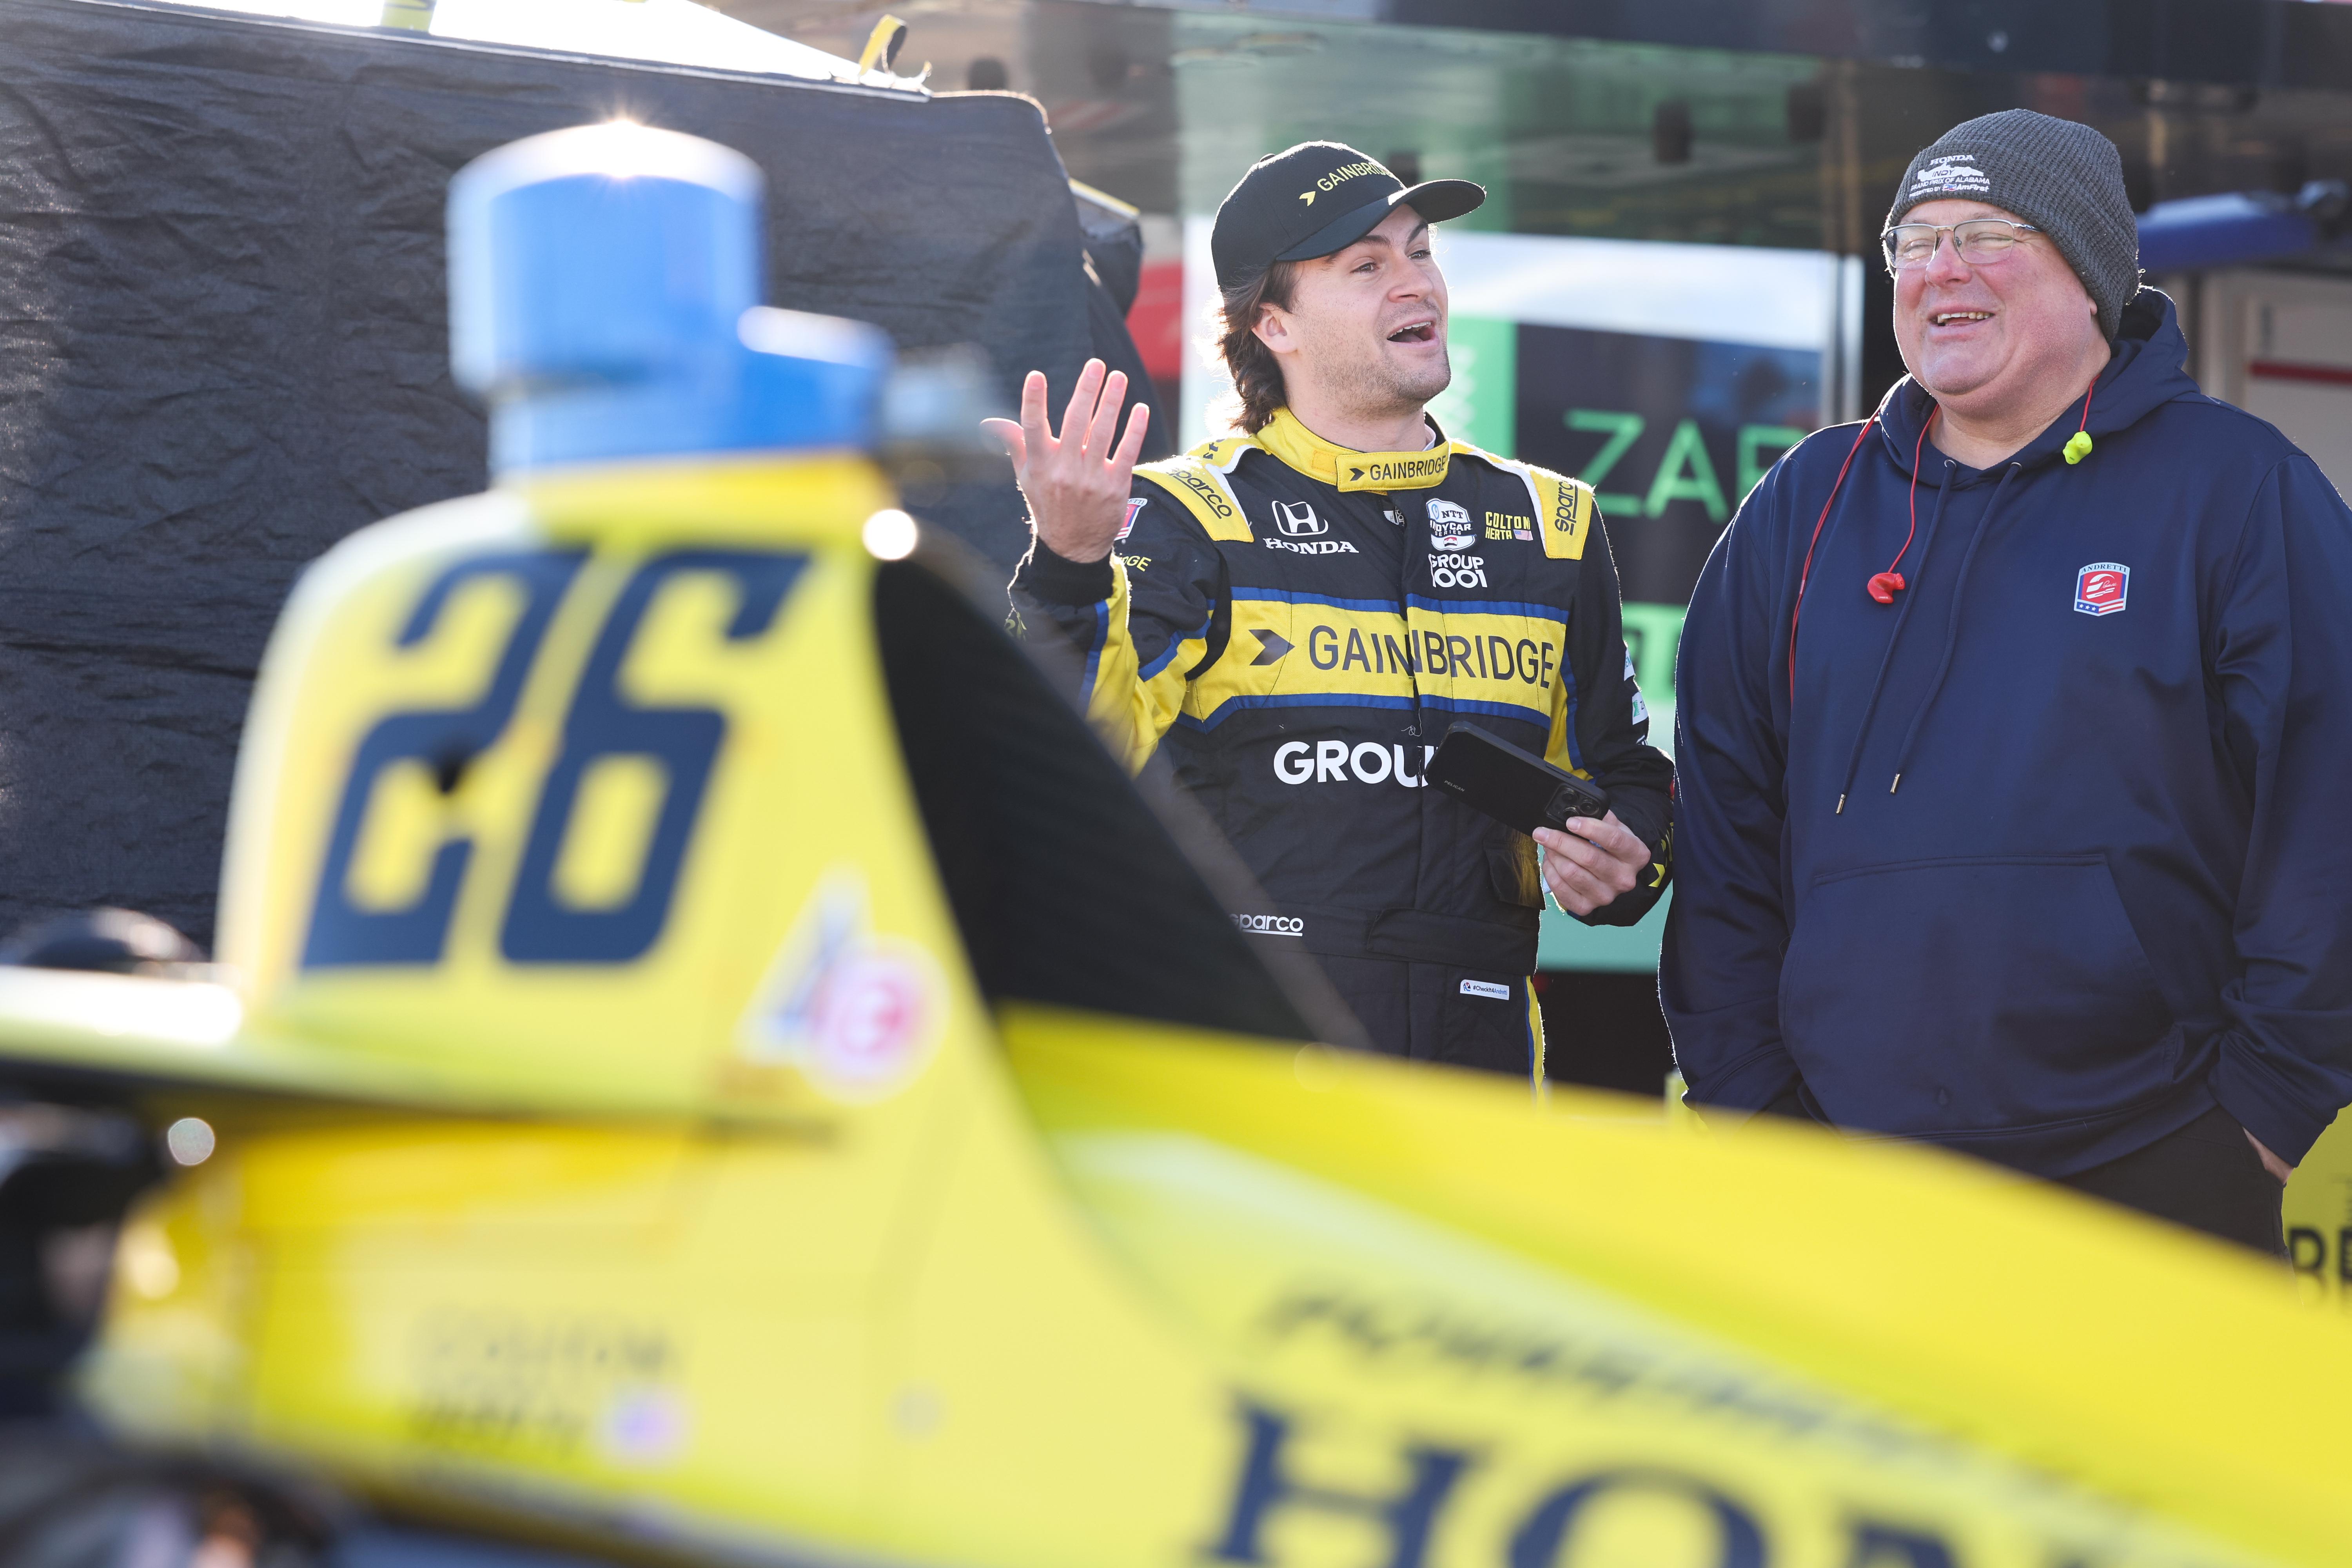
(1377, 385)
(1370, 386)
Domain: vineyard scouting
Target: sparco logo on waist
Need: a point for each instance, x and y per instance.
(1271, 925)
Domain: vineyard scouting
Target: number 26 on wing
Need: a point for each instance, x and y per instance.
(600, 723)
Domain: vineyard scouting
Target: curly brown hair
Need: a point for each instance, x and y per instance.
(1257, 375)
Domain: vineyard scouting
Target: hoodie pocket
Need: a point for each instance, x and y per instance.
(1963, 994)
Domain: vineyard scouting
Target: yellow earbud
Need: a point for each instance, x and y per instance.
(2078, 445)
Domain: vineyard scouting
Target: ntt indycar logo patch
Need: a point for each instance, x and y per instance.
(1270, 925)
(1449, 526)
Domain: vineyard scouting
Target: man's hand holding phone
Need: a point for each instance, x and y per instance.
(1589, 858)
(1590, 863)
(1077, 483)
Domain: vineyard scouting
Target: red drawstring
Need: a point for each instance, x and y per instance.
(1886, 584)
(1889, 583)
(1807, 572)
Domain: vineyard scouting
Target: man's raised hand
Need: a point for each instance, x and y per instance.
(1077, 483)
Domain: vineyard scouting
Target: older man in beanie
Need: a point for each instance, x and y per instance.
(2016, 733)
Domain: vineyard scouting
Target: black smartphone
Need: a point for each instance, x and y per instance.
(1516, 788)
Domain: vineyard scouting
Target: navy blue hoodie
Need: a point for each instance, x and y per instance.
(2092, 872)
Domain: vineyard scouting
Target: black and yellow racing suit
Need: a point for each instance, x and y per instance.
(1296, 624)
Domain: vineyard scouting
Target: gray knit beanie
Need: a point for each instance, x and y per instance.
(2065, 179)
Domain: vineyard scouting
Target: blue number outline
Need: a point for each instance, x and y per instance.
(538, 930)
(342, 934)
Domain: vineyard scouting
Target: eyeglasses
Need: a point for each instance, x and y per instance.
(1979, 240)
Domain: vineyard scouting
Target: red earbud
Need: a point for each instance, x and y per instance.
(1889, 583)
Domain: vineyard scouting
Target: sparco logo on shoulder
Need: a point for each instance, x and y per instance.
(1449, 526)
(1565, 507)
(1210, 494)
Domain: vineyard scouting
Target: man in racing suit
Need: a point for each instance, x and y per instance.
(1296, 616)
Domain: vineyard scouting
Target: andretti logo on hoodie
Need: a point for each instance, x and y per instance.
(2100, 587)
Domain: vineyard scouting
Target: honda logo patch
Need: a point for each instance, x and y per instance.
(2100, 587)
(1298, 521)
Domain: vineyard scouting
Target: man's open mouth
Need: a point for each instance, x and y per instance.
(1949, 317)
(1414, 332)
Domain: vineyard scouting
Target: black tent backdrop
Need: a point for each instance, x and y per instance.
(222, 346)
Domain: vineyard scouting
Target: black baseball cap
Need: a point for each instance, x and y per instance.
(1314, 198)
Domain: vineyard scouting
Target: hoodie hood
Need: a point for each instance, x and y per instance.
(2148, 370)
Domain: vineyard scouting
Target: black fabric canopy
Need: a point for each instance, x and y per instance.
(222, 346)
